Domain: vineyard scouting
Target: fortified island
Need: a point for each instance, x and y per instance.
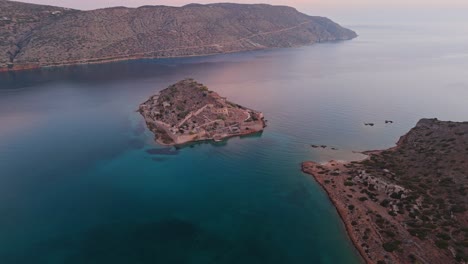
(188, 111)
(407, 204)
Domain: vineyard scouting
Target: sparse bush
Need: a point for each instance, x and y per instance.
(396, 195)
(391, 246)
(443, 236)
(389, 233)
(418, 232)
(442, 244)
(348, 183)
(385, 203)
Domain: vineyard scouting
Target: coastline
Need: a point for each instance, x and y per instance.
(394, 203)
(307, 168)
(161, 142)
(339, 207)
(27, 67)
(206, 140)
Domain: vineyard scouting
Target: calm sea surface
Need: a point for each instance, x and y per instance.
(77, 184)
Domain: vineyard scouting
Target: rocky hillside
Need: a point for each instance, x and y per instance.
(33, 35)
(407, 204)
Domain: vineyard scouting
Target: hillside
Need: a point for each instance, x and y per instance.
(407, 204)
(34, 36)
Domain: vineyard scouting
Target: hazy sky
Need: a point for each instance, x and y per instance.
(345, 12)
(300, 4)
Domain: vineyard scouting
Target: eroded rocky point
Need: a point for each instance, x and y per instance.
(188, 111)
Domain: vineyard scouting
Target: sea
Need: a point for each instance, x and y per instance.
(82, 180)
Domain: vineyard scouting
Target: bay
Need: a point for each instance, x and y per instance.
(82, 181)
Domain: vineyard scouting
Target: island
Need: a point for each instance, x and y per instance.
(188, 112)
(407, 204)
(34, 36)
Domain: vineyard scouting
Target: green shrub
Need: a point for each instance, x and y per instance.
(461, 257)
(389, 233)
(396, 195)
(459, 208)
(442, 244)
(443, 236)
(385, 203)
(348, 183)
(418, 232)
(391, 246)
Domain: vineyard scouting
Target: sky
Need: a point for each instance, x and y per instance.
(300, 4)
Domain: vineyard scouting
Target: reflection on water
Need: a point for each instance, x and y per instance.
(82, 181)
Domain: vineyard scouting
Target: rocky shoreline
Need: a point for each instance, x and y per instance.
(26, 67)
(400, 205)
(308, 167)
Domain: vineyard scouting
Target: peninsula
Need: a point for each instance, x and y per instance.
(188, 111)
(34, 36)
(407, 204)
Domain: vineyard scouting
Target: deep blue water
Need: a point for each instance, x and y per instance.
(77, 184)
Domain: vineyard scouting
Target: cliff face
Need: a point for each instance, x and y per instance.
(34, 35)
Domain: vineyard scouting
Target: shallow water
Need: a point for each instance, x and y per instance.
(81, 180)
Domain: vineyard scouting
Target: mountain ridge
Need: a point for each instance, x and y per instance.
(33, 36)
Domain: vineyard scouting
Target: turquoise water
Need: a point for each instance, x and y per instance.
(78, 183)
